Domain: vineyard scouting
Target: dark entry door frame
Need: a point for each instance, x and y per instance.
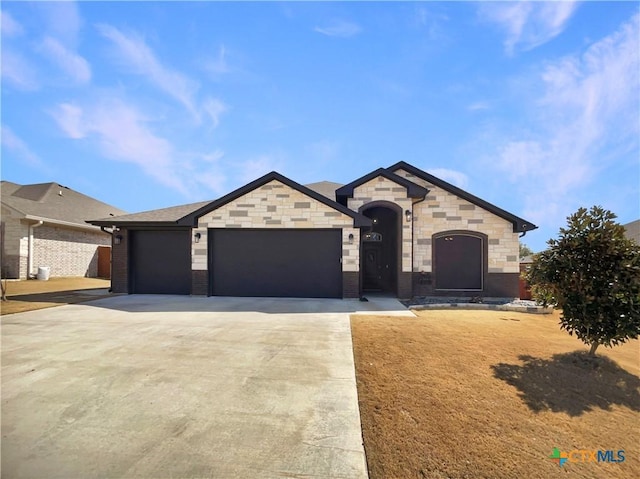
(382, 272)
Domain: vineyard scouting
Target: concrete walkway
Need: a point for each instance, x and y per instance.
(180, 387)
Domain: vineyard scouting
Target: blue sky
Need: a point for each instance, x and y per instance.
(534, 107)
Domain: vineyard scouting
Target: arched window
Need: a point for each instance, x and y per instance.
(459, 260)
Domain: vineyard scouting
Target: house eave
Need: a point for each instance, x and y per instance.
(520, 225)
(191, 219)
(413, 190)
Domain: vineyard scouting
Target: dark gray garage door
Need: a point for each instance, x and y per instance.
(284, 263)
(160, 262)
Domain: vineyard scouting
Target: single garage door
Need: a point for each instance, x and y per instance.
(160, 261)
(282, 263)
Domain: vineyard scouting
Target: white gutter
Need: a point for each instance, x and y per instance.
(30, 253)
(52, 221)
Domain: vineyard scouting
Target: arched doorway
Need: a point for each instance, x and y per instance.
(380, 249)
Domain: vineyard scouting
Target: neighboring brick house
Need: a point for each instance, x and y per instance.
(45, 225)
(397, 230)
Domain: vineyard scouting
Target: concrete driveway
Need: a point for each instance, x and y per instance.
(180, 387)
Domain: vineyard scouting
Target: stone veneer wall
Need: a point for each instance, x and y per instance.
(276, 205)
(382, 189)
(443, 211)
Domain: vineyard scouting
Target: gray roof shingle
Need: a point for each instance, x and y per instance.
(52, 201)
(163, 215)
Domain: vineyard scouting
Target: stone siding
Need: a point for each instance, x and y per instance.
(382, 189)
(276, 205)
(443, 211)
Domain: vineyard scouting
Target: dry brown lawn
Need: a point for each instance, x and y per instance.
(487, 394)
(33, 294)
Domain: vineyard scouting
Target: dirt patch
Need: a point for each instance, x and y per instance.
(475, 394)
(32, 294)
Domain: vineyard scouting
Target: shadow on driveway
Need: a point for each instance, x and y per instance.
(169, 303)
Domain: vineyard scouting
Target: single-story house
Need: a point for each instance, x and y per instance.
(45, 225)
(398, 230)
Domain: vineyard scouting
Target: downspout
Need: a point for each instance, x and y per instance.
(30, 251)
(102, 228)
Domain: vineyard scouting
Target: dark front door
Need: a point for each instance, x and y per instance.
(269, 262)
(160, 262)
(373, 268)
(379, 256)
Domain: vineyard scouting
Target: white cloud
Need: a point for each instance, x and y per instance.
(218, 66)
(123, 134)
(340, 28)
(134, 52)
(9, 26)
(13, 143)
(478, 106)
(63, 20)
(71, 63)
(214, 108)
(587, 113)
(528, 24)
(70, 119)
(454, 177)
(17, 71)
(256, 167)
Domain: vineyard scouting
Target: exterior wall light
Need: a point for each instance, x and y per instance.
(196, 237)
(350, 238)
(117, 239)
(407, 215)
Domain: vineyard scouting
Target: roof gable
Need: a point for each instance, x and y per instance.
(413, 190)
(520, 225)
(192, 218)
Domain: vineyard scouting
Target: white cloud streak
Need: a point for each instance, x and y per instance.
(13, 143)
(63, 21)
(254, 168)
(214, 108)
(17, 71)
(340, 28)
(123, 133)
(140, 59)
(136, 55)
(528, 25)
(454, 177)
(586, 115)
(9, 26)
(76, 67)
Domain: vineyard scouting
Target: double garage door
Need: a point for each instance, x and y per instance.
(242, 262)
(285, 263)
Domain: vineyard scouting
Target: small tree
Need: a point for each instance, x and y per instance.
(525, 250)
(592, 272)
